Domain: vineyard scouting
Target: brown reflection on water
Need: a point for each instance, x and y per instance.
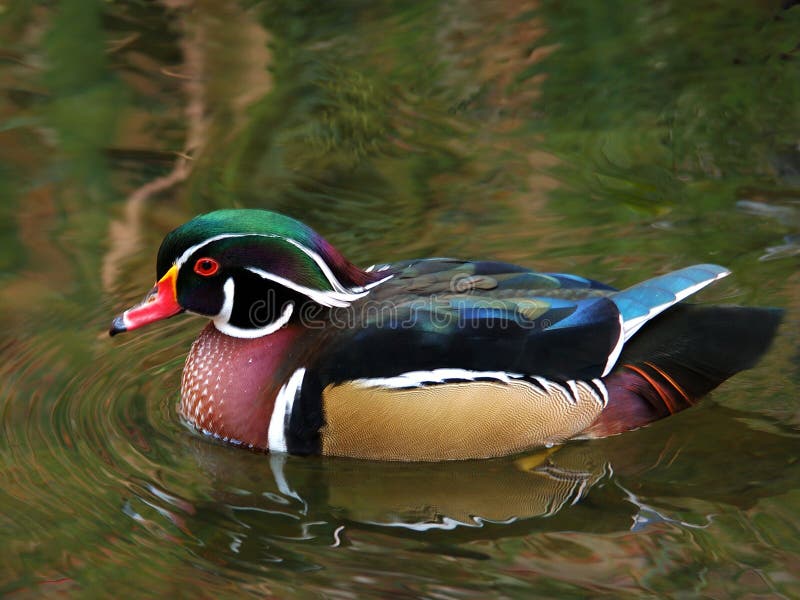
(224, 71)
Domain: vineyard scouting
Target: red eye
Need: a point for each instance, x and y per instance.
(206, 267)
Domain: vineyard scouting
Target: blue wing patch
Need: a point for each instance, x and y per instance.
(643, 301)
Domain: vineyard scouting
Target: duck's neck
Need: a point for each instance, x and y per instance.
(229, 384)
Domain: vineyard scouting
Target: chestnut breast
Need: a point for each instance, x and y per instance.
(229, 384)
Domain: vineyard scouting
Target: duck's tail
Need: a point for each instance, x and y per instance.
(680, 356)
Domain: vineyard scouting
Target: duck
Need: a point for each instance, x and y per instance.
(430, 359)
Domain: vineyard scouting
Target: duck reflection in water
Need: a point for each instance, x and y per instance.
(618, 483)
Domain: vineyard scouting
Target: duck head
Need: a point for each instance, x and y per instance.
(250, 271)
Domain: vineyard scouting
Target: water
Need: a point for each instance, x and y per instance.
(606, 139)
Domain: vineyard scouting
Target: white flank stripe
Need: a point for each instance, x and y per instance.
(542, 381)
(603, 391)
(276, 434)
(550, 385)
(575, 392)
(631, 326)
(417, 378)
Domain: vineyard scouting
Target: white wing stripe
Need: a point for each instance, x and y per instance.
(615, 352)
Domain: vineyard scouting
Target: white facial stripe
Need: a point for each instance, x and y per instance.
(318, 260)
(282, 411)
(192, 249)
(377, 269)
(369, 286)
(326, 270)
(324, 298)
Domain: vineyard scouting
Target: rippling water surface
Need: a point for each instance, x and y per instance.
(608, 139)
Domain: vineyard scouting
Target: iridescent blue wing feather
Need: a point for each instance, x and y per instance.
(643, 301)
(443, 313)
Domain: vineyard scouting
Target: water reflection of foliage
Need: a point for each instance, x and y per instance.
(646, 109)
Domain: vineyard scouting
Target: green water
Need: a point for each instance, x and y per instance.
(615, 140)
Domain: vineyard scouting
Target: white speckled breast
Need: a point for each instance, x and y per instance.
(205, 381)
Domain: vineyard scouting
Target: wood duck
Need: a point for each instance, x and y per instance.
(429, 359)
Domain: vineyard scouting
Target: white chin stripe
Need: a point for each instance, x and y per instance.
(282, 411)
(222, 320)
(272, 327)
